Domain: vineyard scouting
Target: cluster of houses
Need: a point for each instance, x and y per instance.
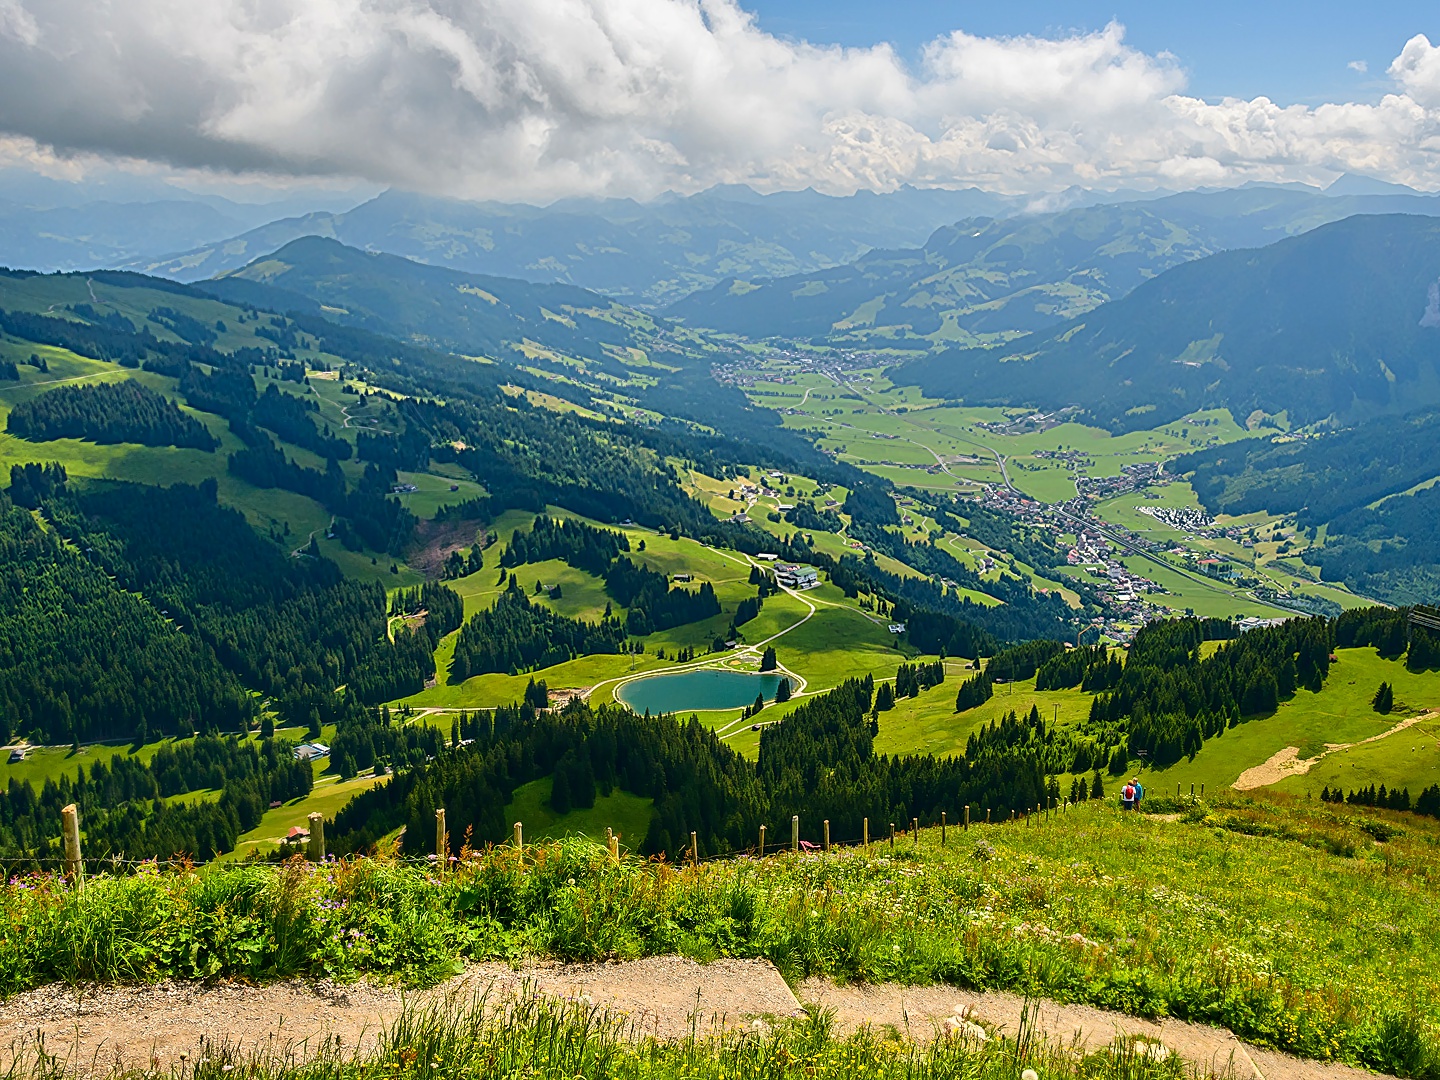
(1132, 478)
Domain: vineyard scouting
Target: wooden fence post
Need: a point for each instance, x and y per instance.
(694, 850)
(519, 835)
(987, 815)
(865, 833)
(827, 834)
(967, 817)
(74, 863)
(317, 837)
(915, 828)
(613, 843)
(442, 840)
(795, 834)
(892, 838)
(1202, 791)
(762, 840)
(942, 828)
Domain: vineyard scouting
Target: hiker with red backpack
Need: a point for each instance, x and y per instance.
(1127, 796)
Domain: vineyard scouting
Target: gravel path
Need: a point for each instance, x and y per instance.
(97, 1029)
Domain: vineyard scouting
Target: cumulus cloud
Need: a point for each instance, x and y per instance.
(537, 99)
(1358, 65)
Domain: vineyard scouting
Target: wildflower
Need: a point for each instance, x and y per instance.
(1029, 1074)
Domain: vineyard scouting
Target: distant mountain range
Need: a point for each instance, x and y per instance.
(52, 225)
(986, 280)
(643, 253)
(1342, 321)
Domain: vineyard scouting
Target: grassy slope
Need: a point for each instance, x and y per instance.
(1287, 922)
(1340, 713)
(629, 815)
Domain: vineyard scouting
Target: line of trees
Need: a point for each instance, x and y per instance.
(819, 763)
(108, 413)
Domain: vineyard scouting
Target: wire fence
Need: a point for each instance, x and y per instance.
(889, 837)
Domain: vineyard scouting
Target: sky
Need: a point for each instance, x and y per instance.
(536, 100)
(1293, 53)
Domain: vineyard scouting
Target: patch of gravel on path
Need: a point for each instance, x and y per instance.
(96, 1029)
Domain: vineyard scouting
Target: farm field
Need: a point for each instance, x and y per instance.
(329, 796)
(949, 448)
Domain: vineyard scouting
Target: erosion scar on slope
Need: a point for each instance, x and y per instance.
(1288, 762)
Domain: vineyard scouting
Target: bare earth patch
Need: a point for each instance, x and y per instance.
(1288, 762)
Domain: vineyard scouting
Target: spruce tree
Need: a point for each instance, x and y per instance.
(1384, 699)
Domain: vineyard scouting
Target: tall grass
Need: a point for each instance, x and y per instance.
(1291, 925)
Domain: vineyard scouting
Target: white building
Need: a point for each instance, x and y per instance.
(797, 577)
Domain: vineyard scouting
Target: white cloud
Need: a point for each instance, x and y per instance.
(541, 98)
(1358, 65)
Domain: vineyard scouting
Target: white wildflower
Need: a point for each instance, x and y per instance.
(1029, 1074)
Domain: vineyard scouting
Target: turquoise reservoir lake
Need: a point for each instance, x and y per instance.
(689, 691)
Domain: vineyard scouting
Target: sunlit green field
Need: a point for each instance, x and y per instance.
(1339, 713)
(628, 815)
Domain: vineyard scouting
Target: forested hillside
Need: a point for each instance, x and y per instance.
(83, 660)
(988, 279)
(1342, 321)
(1163, 704)
(1381, 539)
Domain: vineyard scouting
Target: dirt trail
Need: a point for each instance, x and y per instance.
(155, 1027)
(918, 1011)
(1288, 762)
(152, 1026)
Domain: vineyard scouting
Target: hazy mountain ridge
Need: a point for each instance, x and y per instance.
(984, 280)
(1343, 322)
(647, 254)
